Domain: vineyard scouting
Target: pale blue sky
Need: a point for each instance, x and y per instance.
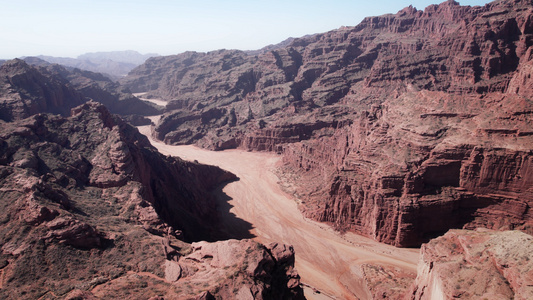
(73, 27)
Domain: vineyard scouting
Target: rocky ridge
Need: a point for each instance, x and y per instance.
(26, 91)
(92, 210)
(384, 127)
(34, 86)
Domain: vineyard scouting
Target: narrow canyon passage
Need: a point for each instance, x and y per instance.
(325, 259)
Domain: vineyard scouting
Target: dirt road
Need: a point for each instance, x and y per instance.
(325, 259)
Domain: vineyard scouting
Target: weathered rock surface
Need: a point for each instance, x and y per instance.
(399, 128)
(475, 265)
(388, 282)
(91, 209)
(445, 47)
(99, 88)
(226, 99)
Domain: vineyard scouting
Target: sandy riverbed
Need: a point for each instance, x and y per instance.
(325, 259)
(154, 101)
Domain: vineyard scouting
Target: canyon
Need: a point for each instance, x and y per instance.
(399, 128)
(326, 260)
(388, 160)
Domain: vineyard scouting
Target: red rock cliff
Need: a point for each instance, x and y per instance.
(402, 175)
(446, 149)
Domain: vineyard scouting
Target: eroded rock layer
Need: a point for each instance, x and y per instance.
(91, 209)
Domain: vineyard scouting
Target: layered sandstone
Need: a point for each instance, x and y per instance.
(403, 175)
(445, 47)
(432, 157)
(92, 210)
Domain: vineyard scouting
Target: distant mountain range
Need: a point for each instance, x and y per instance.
(128, 56)
(116, 64)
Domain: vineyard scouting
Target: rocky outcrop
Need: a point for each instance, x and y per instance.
(227, 269)
(100, 150)
(262, 273)
(40, 87)
(475, 265)
(272, 136)
(26, 91)
(91, 208)
(137, 120)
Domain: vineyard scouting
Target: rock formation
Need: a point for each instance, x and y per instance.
(402, 174)
(99, 88)
(449, 153)
(26, 91)
(399, 128)
(40, 87)
(92, 210)
(475, 265)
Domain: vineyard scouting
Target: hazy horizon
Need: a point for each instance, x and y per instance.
(64, 28)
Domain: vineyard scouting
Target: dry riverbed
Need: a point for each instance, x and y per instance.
(325, 259)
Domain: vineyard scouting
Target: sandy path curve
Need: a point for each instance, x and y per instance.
(325, 259)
